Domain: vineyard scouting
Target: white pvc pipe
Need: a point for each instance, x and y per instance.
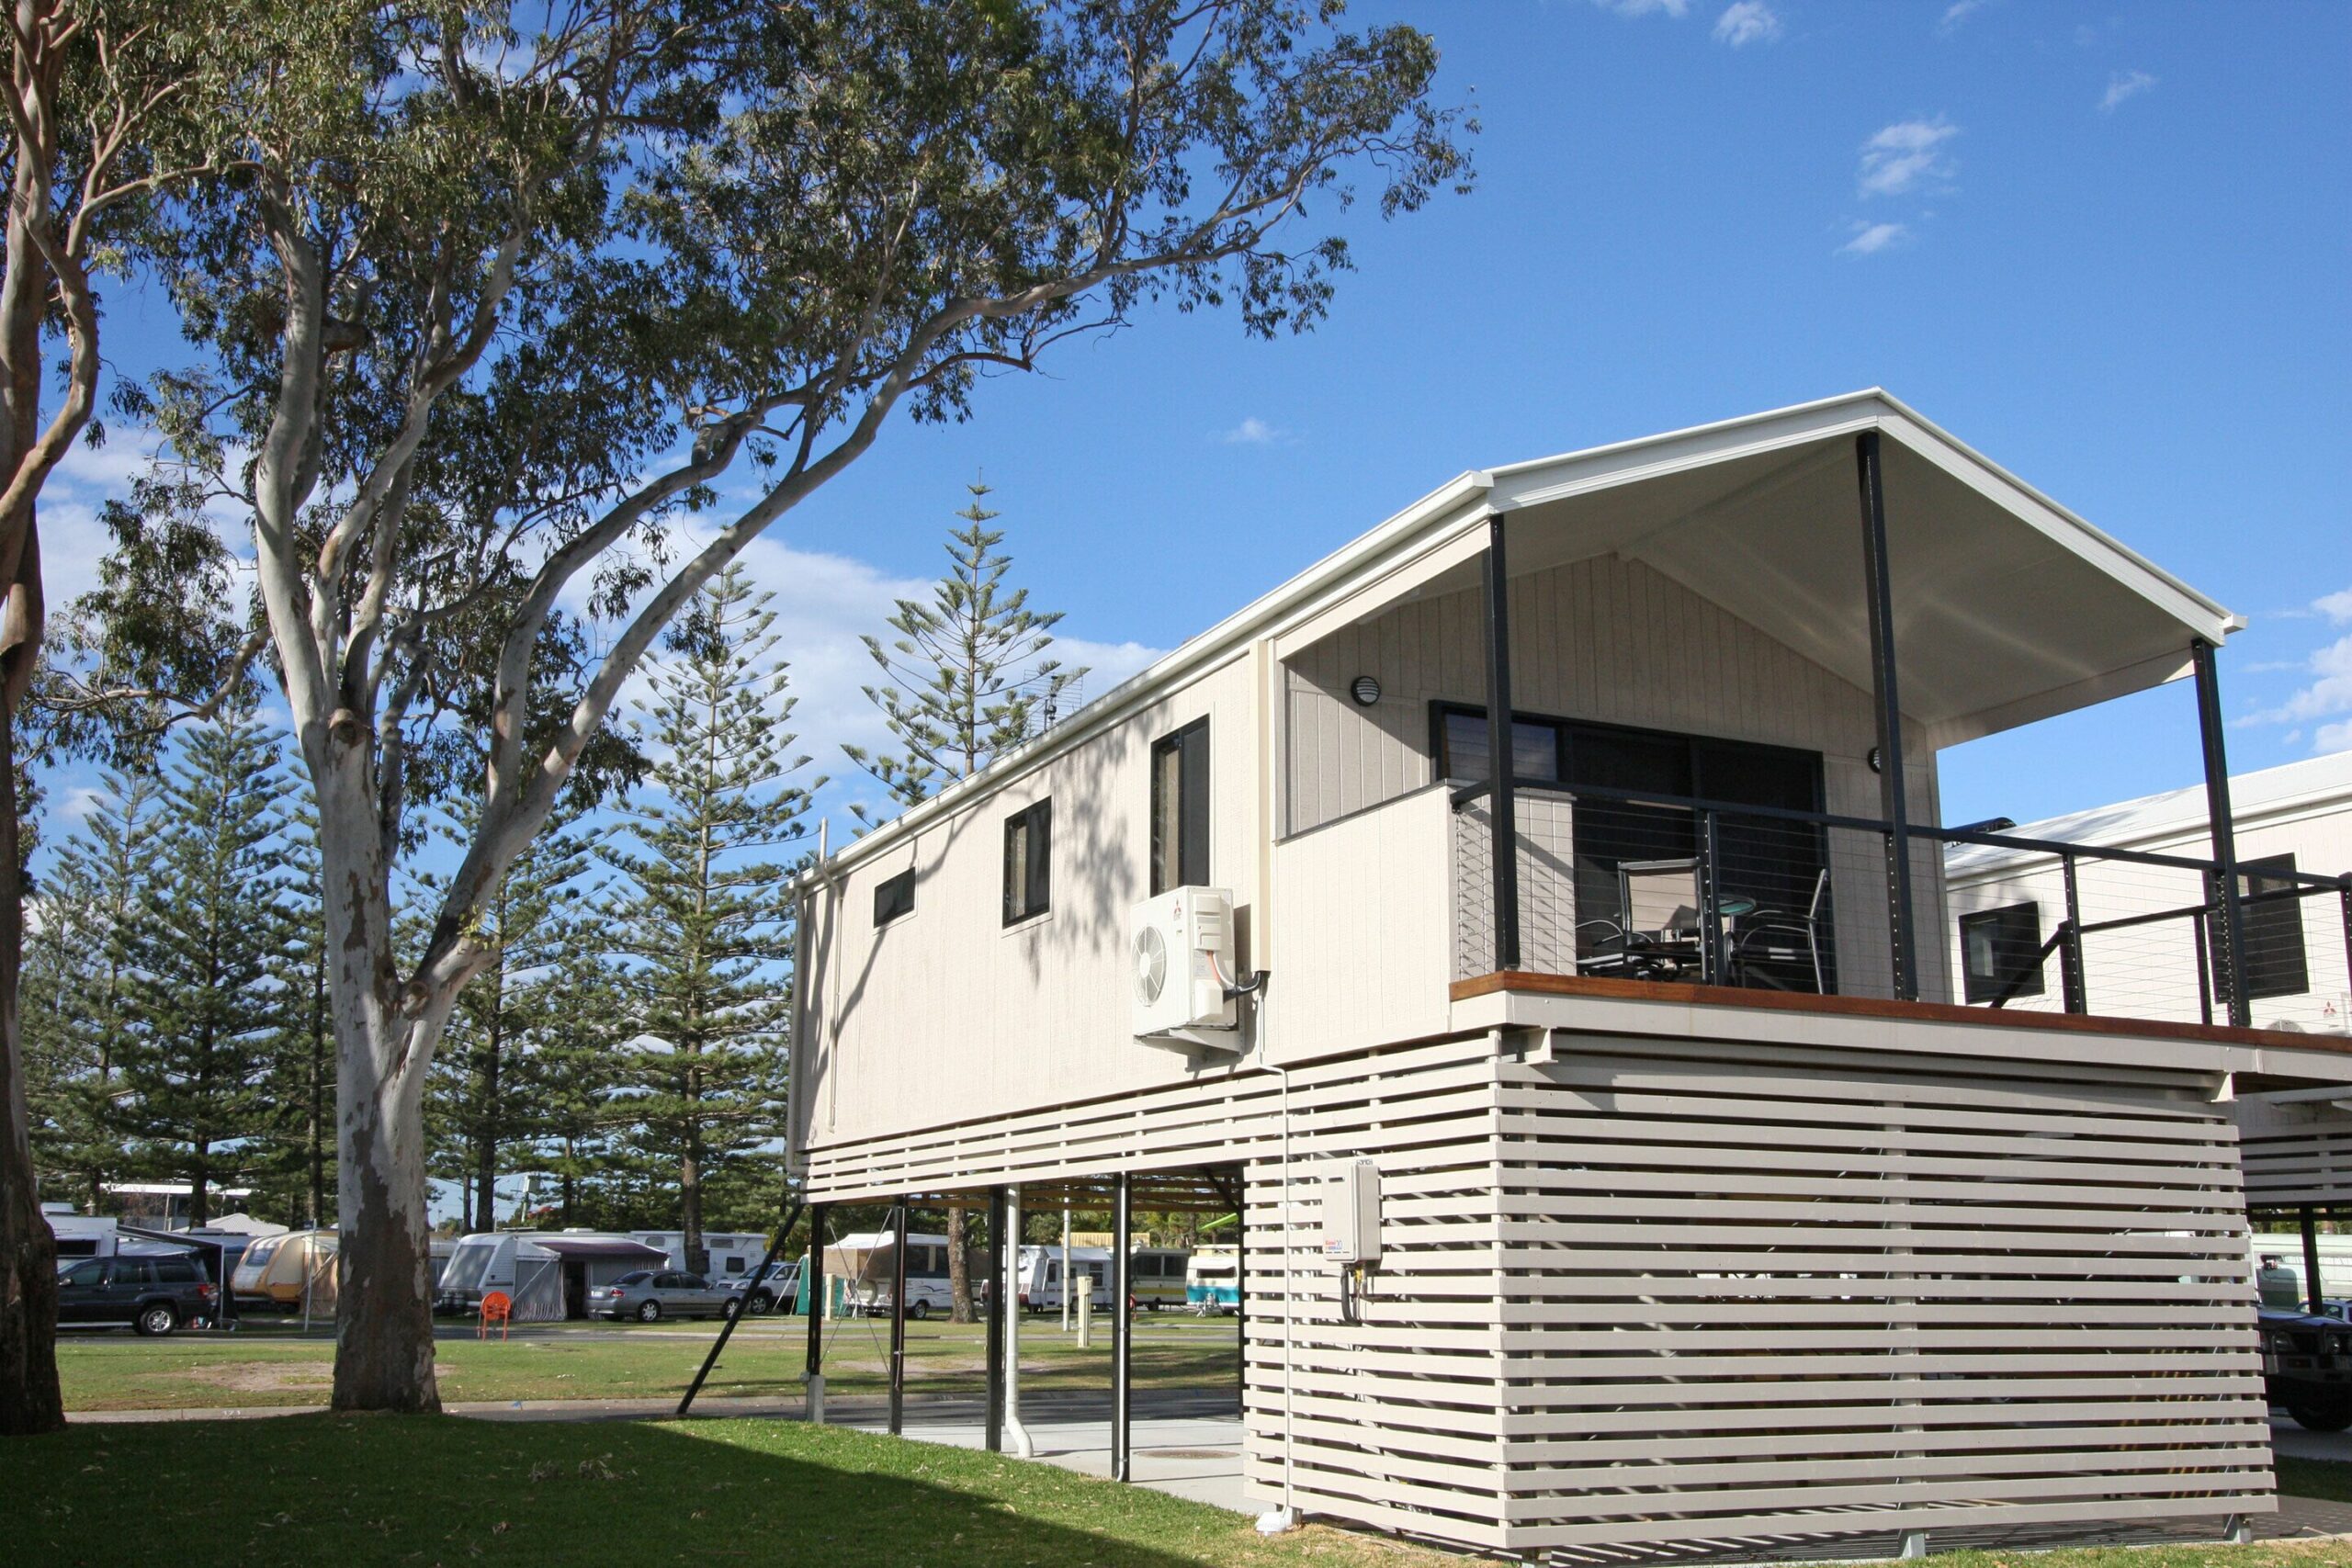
(1010, 1264)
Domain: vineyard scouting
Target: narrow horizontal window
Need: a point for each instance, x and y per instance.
(894, 896)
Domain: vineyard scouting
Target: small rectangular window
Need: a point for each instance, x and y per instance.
(2001, 952)
(1179, 809)
(1029, 861)
(893, 896)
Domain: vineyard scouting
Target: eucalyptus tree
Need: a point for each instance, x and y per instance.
(702, 918)
(553, 286)
(110, 105)
(303, 1064)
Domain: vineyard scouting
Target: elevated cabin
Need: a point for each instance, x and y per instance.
(1700, 1202)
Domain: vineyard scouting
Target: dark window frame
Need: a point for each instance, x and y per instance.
(894, 899)
(1034, 894)
(2005, 985)
(1564, 729)
(1191, 744)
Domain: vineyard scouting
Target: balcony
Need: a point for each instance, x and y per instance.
(1617, 891)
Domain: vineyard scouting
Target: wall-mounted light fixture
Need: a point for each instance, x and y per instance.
(1878, 763)
(1366, 691)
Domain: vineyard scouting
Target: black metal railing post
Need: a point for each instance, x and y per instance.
(2204, 961)
(1499, 751)
(1712, 967)
(2071, 987)
(2224, 833)
(1886, 706)
(813, 1293)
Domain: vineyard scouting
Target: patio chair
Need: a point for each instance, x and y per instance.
(1771, 936)
(497, 1307)
(1656, 933)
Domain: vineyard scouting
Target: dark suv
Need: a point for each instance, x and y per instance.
(153, 1292)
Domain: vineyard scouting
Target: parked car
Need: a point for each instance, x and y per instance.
(2307, 1367)
(150, 1292)
(649, 1296)
(762, 1292)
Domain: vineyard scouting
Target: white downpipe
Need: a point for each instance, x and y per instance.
(1067, 1283)
(1010, 1264)
(1285, 1517)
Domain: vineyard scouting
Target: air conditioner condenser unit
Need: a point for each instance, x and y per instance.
(1179, 944)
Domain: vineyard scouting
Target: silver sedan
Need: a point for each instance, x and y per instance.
(650, 1295)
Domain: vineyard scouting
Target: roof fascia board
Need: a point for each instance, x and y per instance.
(1444, 550)
(1607, 468)
(1335, 575)
(2193, 610)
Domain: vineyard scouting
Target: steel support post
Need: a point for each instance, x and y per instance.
(1504, 796)
(813, 1287)
(2224, 831)
(898, 1323)
(993, 1437)
(1123, 1325)
(727, 1329)
(2314, 1299)
(1886, 706)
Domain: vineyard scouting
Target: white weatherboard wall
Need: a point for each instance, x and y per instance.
(946, 1014)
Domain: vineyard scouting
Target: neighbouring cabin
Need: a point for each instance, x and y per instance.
(1687, 1196)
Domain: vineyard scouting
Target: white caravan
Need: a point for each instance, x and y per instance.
(547, 1274)
(733, 1254)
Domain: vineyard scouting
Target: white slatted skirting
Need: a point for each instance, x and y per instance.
(1660, 1294)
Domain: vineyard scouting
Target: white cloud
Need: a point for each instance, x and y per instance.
(1677, 9)
(1255, 432)
(1958, 12)
(1872, 238)
(2337, 607)
(1746, 22)
(2329, 694)
(2125, 84)
(1904, 154)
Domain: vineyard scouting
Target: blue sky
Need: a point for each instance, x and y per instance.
(2104, 244)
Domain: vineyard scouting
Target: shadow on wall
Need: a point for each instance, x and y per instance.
(424, 1489)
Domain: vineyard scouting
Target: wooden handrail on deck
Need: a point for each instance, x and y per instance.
(1686, 993)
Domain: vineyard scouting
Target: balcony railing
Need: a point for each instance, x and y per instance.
(1663, 887)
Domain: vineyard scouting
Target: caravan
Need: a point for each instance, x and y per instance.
(732, 1254)
(1212, 1281)
(546, 1275)
(866, 1264)
(287, 1273)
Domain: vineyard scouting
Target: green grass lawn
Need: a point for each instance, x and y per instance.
(273, 1365)
(358, 1493)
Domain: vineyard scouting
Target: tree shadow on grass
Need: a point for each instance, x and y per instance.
(356, 1492)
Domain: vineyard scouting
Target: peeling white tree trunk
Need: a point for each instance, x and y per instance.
(384, 1043)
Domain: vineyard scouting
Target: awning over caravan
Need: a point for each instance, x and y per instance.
(584, 1247)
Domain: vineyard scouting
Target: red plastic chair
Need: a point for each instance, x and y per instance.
(496, 1307)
